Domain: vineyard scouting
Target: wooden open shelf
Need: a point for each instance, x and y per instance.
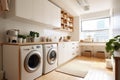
(62, 29)
(66, 21)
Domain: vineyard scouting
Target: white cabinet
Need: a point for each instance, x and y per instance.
(41, 11)
(23, 8)
(67, 51)
(53, 14)
(75, 49)
(62, 53)
(39, 8)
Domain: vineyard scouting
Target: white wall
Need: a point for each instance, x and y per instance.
(116, 17)
(76, 33)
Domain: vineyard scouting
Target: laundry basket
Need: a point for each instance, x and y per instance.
(87, 53)
(100, 54)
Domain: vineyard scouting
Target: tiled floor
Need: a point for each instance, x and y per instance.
(97, 72)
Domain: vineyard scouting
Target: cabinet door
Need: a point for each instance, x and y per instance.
(64, 51)
(61, 53)
(68, 50)
(53, 14)
(75, 49)
(39, 10)
(23, 8)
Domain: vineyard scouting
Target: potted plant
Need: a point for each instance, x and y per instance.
(33, 35)
(20, 38)
(24, 38)
(111, 46)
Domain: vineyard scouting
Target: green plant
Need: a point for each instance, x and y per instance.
(22, 36)
(34, 34)
(113, 45)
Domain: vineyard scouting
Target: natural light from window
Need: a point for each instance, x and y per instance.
(96, 30)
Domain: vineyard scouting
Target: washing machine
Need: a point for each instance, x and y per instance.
(31, 62)
(50, 55)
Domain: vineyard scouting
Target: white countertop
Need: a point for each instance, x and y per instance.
(92, 44)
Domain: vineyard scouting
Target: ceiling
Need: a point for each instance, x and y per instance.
(74, 8)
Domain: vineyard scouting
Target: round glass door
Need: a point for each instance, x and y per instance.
(32, 61)
(51, 57)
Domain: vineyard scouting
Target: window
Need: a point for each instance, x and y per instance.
(97, 29)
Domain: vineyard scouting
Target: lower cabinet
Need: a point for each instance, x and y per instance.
(67, 51)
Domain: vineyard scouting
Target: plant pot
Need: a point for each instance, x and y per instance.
(108, 63)
(35, 39)
(20, 40)
(24, 40)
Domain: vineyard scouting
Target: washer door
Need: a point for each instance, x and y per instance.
(51, 56)
(32, 61)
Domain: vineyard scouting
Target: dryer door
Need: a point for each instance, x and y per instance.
(32, 61)
(52, 56)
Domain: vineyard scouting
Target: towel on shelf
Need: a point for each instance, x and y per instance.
(4, 5)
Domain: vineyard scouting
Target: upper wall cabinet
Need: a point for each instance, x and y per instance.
(41, 11)
(23, 8)
(53, 14)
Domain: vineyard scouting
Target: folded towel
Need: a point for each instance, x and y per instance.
(4, 5)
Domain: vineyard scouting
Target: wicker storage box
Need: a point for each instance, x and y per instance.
(100, 54)
(87, 53)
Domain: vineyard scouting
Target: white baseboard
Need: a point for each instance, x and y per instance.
(1, 75)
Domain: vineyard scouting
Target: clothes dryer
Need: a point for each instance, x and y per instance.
(50, 55)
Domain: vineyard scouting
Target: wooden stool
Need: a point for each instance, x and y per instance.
(87, 53)
(100, 54)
